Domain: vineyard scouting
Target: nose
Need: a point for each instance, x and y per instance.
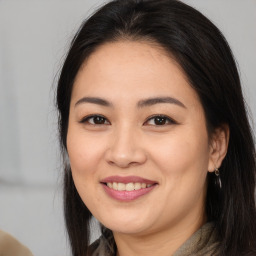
(126, 149)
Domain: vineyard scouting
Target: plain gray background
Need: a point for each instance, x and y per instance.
(34, 37)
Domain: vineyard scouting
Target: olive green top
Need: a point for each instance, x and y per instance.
(202, 243)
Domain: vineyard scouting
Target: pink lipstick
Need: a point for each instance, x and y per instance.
(127, 188)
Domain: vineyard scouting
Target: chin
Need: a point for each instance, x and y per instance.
(121, 223)
(127, 229)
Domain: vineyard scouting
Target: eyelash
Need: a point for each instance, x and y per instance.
(165, 119)
(87, 118)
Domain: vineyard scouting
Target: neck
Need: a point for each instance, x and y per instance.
(162, 243)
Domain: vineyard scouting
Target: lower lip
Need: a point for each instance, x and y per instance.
(127, 195)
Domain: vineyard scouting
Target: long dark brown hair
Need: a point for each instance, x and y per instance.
(206, 58)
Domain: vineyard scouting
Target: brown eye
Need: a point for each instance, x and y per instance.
(159, 120)
(95, 120)
(98, 120)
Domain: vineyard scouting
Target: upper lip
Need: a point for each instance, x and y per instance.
(127, 179)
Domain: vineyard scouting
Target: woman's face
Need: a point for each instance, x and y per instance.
(137, 140)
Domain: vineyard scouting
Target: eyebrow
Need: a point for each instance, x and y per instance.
(94, 100)
(157, 100)
(140, 104)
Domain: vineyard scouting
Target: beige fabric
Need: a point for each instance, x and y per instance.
(9, 246)
(202, 243)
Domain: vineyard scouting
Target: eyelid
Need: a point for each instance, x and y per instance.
(169, 119)
(86, 118)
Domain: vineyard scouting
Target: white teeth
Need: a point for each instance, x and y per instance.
(114, 186)
(120, 186)
(137, 186)
(110, 185)
(128, 187)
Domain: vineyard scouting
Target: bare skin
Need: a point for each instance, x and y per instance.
(133, 113)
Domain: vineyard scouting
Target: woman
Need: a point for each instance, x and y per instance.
(159, 148)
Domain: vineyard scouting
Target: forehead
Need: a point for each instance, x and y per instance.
(127, 68)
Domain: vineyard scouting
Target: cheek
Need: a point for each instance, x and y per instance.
(183, 155)
(182, 161)
(84, 152)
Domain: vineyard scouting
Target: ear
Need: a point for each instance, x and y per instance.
(218, 147)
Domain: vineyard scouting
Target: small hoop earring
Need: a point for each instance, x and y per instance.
(217, 172)
(217, 178)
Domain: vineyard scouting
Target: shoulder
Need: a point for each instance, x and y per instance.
(10, 246)
(94, 247)
(204, 242)
(104, 245)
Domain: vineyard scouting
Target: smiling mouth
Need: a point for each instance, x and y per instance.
(127, 188)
